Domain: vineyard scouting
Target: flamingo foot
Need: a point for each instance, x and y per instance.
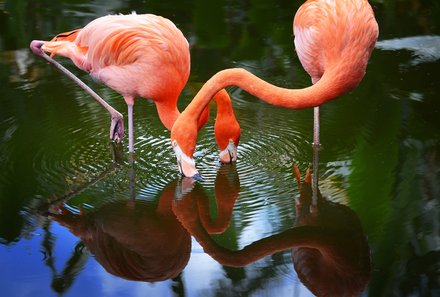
(36, 47)
(117, 128)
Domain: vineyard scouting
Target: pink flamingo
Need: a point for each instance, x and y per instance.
(334, 40)
(137, 55)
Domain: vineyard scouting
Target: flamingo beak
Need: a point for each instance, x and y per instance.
(229, 154)
(187, 166)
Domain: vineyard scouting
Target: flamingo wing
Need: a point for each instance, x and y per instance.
(125, 50)
(136, 55)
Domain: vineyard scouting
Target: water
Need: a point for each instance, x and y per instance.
(135, 228)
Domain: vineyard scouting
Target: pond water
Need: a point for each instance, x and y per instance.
(78, 216)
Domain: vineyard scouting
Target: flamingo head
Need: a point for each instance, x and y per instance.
(185, 161)
(38, 47)
(229, 154)
(59, 44)
(183, 141)
(227, 135)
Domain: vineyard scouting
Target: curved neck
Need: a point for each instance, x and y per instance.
(224, 105)
(304, 236)
(168, 114)
(331, 85)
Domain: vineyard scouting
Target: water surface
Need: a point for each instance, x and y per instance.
(136, 228)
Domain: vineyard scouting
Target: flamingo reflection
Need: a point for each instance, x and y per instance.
(329, 249)
(133, 239)
(142, 241)
(226, 190)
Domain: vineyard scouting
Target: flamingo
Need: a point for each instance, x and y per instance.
(334, 40)
(138, 55)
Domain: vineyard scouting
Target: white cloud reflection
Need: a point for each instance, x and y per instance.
(424, 48)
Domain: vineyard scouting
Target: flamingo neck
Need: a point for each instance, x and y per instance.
(224, 105)
(168, 114)
(226, 127)
(305, 236)
(332, 84)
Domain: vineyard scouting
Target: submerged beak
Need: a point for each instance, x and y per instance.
(229, 154)
(187, 166)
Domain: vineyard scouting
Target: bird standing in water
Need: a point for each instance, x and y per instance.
(334, 40)
(136, 55)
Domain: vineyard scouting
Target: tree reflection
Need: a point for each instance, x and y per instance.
(61, 282)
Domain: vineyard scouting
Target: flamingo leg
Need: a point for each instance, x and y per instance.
(130, 128)
(117, 123)
(132, 179)
(316, 148)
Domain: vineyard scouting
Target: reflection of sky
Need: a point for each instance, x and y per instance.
(113, 286)
(203, 272)
(424, 48)
(25, 261)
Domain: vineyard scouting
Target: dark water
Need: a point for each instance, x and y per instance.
(137, 229)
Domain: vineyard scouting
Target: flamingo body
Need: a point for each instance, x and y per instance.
(124, 51)
(137, 55)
